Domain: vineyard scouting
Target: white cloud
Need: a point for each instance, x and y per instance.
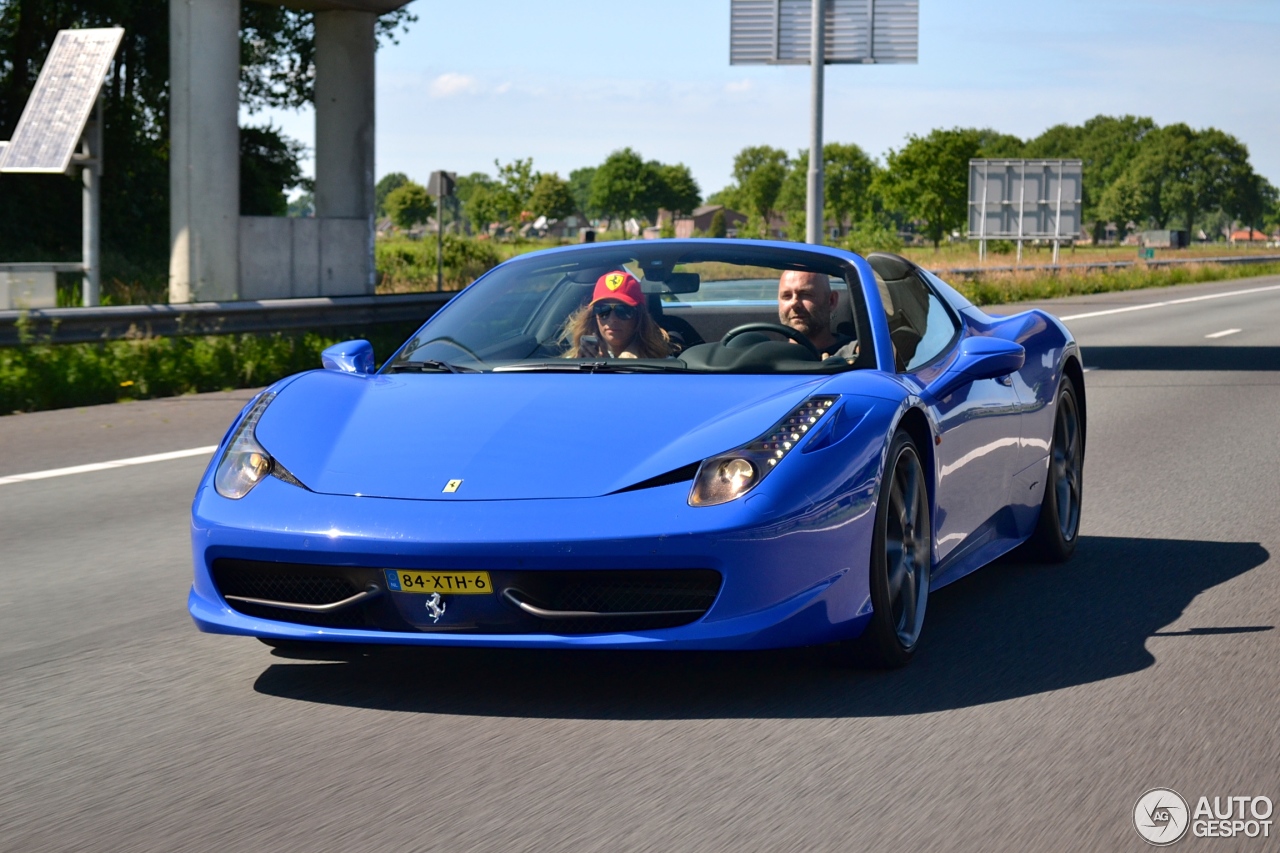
(738, 86)
(452, 83)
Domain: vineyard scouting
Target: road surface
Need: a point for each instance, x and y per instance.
(1043, 702)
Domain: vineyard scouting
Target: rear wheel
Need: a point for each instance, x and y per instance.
(901, 560)
(1056, 534)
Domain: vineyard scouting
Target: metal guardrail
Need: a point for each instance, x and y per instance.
(121, 322)
(970, 272)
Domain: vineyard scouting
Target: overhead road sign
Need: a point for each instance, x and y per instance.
(860, 32)
(821, 33)
(54, 118)
(1019, 200)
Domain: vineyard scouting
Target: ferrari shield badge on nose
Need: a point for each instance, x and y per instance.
(435, 606)
(452, 486)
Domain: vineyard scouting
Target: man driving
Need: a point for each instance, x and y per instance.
(805, 303)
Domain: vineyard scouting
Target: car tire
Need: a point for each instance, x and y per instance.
(1058, 530)
(901, 564)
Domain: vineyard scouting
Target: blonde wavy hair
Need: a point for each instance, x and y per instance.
(651, 340)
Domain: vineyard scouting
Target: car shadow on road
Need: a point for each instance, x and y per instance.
(1183, 358)
(1007, 631)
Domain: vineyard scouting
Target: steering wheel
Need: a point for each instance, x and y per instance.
(778, 328)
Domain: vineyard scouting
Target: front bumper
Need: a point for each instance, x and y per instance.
(791, 572)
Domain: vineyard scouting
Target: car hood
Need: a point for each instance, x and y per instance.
(513, 436)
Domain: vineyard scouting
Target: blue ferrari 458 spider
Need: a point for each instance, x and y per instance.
(676, 444)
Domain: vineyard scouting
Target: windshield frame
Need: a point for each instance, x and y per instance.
(661, 256)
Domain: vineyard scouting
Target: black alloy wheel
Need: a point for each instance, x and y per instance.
(1058, 531)
(901, 563)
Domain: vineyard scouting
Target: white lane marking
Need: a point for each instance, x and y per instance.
(105, 466)
(1169, 302)
(1222, 334)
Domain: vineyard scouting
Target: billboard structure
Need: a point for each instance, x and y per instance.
(1024, 200)
(63, 114)
(820, 33)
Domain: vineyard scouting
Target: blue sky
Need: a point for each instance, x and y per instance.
(568, 81)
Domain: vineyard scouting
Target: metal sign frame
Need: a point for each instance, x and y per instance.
(64, 113)
(820, 33)
(855, 32)
(1021, 199)
(61, 102)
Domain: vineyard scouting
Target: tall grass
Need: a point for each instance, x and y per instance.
(1003, 288)
(37, 375)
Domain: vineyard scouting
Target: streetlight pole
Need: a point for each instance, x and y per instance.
(813, 209)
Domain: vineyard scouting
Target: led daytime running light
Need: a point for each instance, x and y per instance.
(729, 476)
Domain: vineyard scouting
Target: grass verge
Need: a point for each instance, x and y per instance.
(36, 375)
(1005, 288)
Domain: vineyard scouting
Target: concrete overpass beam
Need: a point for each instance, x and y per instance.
(204, 156)
(345, 46)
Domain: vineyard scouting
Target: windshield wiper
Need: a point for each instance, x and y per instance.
(618, 365)
(429, 366)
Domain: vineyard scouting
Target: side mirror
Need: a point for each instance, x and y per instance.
(349, 357)
(980, 358)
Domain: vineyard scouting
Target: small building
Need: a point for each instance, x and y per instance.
(1164, 239)
(1249, 235)
(700, 220)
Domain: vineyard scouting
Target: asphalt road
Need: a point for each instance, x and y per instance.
(1043, 702)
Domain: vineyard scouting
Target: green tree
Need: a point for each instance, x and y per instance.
(678, 192)
(552, 197)
(268, 170)
(1105, 145)
(383, 188)
(848, 173)
(580, 185)
(464, 189)
(409, 205)
(717, 227)
(516, 181)
(928, 179)
(624, 186)
(1176, 174)
(484, 206)
(759, 172)
(996, 145)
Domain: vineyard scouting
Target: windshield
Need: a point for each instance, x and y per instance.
(650, 306)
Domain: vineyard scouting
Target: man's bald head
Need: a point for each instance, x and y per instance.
(805, 303)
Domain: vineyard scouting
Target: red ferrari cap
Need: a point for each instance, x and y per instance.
(620, 285)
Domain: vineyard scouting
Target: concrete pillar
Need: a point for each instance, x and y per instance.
(345, 46)
(204, 154)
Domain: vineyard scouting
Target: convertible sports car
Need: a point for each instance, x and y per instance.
(503, 481)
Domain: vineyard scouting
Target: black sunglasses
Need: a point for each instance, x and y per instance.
(604, 309)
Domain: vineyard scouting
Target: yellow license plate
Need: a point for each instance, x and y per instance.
(445, 583)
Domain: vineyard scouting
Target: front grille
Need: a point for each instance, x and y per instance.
(298, 583)
(611, 596)
(666, 598)
(301, 589)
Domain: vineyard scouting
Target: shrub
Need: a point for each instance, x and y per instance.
(872, 236)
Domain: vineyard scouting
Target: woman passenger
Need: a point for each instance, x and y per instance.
(618, 320)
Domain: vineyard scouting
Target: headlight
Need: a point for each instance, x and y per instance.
(245, 462)
(731, 475)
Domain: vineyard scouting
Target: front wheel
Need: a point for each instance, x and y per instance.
(901, 561)
(1056, 534)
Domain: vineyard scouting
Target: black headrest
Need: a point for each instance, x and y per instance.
(890, 267)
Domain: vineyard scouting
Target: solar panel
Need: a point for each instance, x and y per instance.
(779, 32)
(59, 106)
